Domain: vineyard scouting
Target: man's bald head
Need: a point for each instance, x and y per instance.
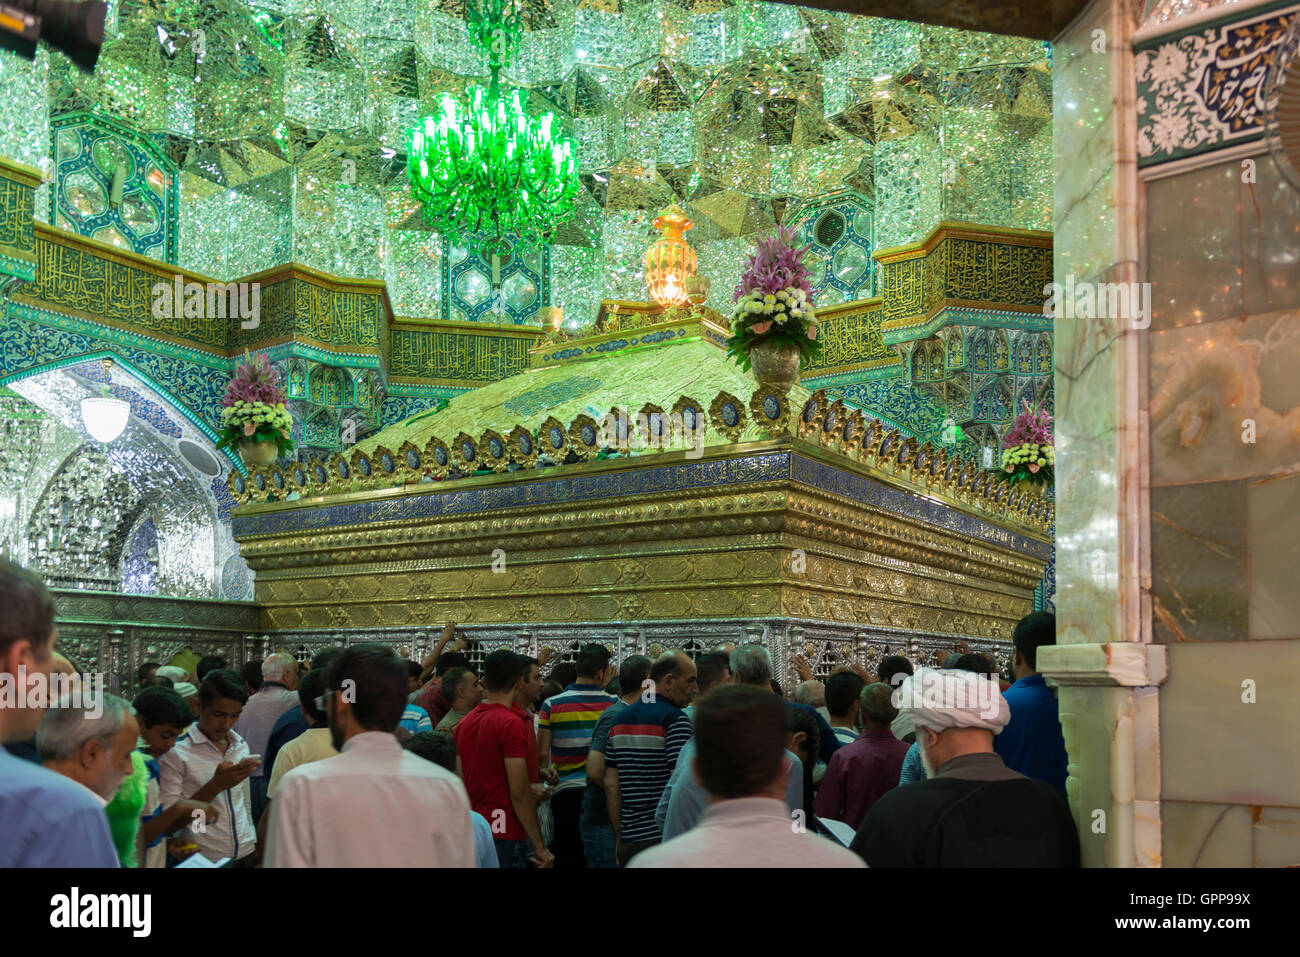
(675, 678)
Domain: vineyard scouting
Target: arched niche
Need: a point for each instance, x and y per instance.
(164, 469)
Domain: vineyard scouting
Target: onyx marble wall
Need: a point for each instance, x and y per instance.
(1178, 492)
(1223, 258)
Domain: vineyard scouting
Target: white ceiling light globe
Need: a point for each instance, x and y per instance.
(104, 416)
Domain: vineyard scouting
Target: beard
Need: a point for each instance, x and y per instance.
(107, 787)
(336, 736)
(926, 762)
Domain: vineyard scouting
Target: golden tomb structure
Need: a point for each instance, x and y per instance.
(703, 512)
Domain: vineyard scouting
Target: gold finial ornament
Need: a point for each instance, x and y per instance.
(697, 289)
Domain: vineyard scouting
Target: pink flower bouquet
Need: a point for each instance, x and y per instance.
(253, 409)
(1028, 449)
(774, 300)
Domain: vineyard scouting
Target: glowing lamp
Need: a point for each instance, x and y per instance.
(670, 262)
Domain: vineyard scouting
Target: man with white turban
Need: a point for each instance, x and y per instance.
(189, 693)
(972, 810)
(175, 673)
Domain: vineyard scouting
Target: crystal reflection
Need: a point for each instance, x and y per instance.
(129, 516)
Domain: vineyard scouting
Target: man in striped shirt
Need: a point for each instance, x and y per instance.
(564, 727)
(642, 753)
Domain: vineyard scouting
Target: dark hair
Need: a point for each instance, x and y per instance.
(28, 609)
(776, 688)
(501, 670)
(451, 682)
(253, 675)
(436, 746)
(973, 662)
(877, 705)
(550, 688)
(1033, 632)
(211, 663)
(222, 683)
(842, 689)
(311, 686)
(160, 681)
(712, 665)
(614, 686)
(633, 673)
(142, 673)
(592, 659)
(413, 669)
(739, 740)
(448, 660)
(950, 660)
(380, 684)
(321, 661)
(566, 673)
(155, 706)
(803, 719)
(892, 665)
(669, 663)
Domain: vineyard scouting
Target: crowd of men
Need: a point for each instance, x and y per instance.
(363, 759)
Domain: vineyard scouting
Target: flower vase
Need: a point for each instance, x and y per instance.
(775, 364)
(259, 454)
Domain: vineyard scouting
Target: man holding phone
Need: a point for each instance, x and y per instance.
(211, 763)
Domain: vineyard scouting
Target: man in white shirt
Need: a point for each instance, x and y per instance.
(415, 813)
(740, 760)
(211, 763)
(277, 695)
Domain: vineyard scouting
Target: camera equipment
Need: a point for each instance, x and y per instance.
(74, 26)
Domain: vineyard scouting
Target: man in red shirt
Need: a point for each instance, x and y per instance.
(497, 759)
(861, 772)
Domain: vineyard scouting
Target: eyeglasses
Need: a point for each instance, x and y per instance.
(322, 702)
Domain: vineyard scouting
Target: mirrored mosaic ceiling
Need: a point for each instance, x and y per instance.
(1155, 12)
(283, 125)
(148, 513)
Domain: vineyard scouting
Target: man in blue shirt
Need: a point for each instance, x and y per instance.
(1032, 742)
(685, 800)
(49, 820)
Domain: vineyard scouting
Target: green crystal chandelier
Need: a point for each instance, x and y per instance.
(494, 169)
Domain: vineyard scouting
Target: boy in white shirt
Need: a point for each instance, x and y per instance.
(163, 715)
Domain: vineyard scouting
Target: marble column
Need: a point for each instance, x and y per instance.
(1104, 671)
(1222, 242)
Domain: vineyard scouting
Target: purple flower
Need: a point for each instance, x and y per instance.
(255, 380)
(776, 265)
(1031, 427)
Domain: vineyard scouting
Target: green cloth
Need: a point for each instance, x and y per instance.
(125, 809)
